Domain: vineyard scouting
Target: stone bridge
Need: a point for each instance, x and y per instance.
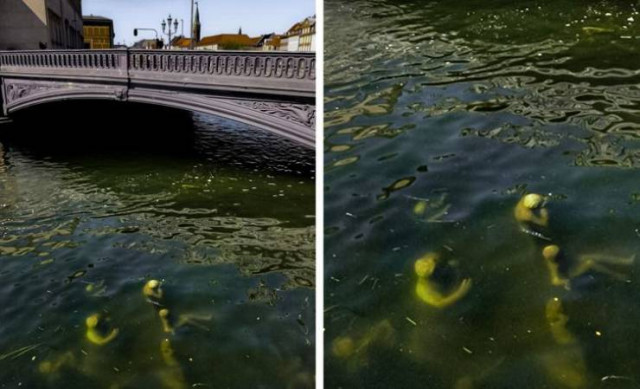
(274, 91)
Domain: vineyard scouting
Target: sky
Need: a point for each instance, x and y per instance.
(256, 17)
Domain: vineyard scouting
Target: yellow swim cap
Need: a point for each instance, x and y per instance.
(343, 347)
(551, 251)
(532, 200)
(92, 321)
(425, 265)
(152, 289)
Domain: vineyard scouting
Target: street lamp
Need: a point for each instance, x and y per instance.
(167, 25)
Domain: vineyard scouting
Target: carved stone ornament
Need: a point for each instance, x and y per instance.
(298, 113)
(17, 91)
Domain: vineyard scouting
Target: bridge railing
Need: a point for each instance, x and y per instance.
(82, 64)
(257, 71)
(233, 71)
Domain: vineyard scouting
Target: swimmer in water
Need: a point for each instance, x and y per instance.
(152, 290)
(53, 366)
(532, 215)
(183, 320)
(355, 351)
(562, 270)
(164, 318)
(428, 290)
(95, 334)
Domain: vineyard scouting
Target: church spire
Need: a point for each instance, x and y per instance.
(240, 31)
(196, 26)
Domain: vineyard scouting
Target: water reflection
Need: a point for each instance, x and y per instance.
(440, 117)
(213, 210)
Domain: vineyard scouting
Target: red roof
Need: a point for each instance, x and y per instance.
(228, 40)
(181, 42)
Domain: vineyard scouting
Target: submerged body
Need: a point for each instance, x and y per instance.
(432, 210)
(56, 364)
(429, 291)
(169, 324)
(173, 377)
(357, 350)
(557, 320)
(95, 334)
(564, 365)
(562, 270)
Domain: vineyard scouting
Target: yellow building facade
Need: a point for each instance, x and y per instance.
(307, 35)
(98, 32)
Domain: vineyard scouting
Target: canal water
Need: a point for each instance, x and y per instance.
(440, 116)
(96, 200)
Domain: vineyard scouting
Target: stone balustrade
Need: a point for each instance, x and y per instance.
(236, 71)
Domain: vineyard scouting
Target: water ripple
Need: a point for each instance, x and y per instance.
(439, 115)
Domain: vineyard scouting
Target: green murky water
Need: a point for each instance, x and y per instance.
(440, 115)
(221, 214)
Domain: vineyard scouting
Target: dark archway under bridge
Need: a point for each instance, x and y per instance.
(274, 91)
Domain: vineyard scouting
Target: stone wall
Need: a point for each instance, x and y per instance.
(40, 24)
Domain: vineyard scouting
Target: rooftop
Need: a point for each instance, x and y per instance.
(96, 18)
(228, 39)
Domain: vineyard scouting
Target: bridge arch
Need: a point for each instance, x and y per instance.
(275, 92)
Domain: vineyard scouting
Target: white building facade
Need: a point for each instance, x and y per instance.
(300, 37)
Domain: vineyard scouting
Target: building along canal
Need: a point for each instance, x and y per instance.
(96, 200)
(440, 116)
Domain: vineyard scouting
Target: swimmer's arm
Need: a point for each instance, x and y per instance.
(432, 297)
(556, 279)
(102, 340)
(542, 220)
(462, 290)
(589, 264)
(609, 259)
